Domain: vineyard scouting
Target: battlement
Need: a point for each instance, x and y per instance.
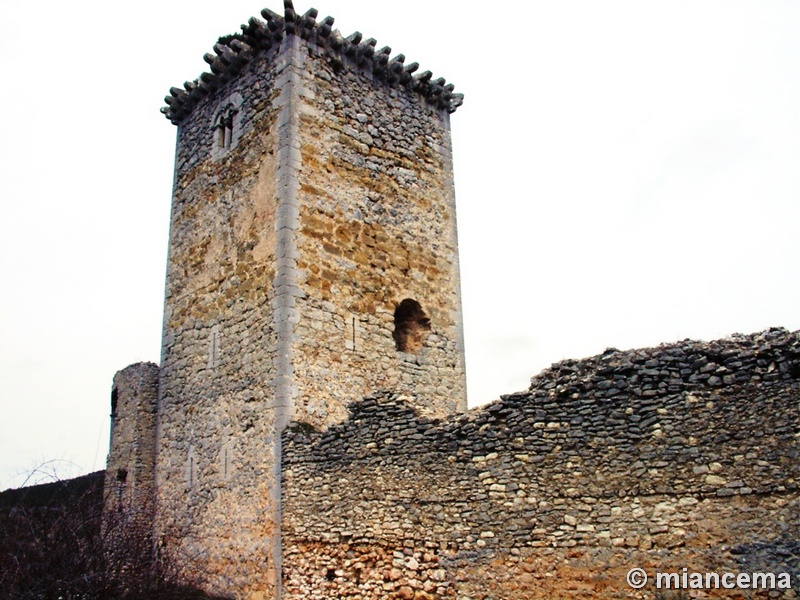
(233, 52)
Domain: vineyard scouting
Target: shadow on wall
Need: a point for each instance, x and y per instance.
(55, 544)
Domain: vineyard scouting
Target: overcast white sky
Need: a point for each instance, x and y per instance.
(627, 173)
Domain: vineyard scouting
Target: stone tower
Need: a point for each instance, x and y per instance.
(312, 260)
(129, 485)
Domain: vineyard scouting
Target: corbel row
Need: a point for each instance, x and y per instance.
(230, 56)
(231, 53)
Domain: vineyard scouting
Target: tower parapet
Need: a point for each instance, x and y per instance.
(233, 52)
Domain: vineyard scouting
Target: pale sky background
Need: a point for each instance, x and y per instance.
(627, 173)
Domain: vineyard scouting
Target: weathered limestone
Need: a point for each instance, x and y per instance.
(309, 437)
(684, 455)
(129, 482)
(129, 489)
(313, 196)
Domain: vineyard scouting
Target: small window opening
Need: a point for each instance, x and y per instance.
(114, 397)
(352, 336)
(122, 475)
(224, 126)
(226, 458)
(411, 326)
(223, 137)
(214, 344)
(330, 574)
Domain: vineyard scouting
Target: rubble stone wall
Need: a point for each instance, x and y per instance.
(130, 481)
(313, 260)
(377, 225)
(685, 455)
(217, 400)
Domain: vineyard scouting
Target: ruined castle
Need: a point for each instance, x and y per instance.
(306, 434)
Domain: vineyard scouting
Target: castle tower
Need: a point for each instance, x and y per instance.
(129, 493)
(313, 260)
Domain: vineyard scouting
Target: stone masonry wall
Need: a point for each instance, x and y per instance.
(313, 260)
(685, 455)
(129, 480)
(377, 225)
(217, 406)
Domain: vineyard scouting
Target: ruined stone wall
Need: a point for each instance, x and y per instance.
(685, 455)
(217, 404)
(377, 225)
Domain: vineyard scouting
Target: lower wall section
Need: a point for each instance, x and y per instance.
(680, 457)
(425, 567)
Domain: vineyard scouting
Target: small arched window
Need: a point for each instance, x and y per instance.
(223, 125)
(411, 326)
